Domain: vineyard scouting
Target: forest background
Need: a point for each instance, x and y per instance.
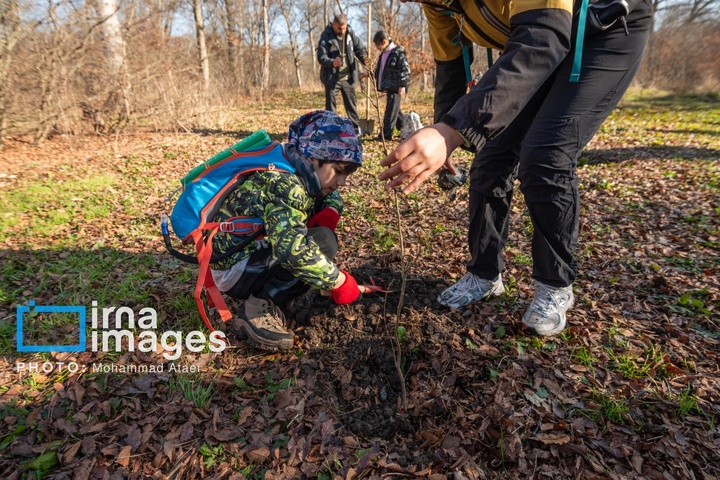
(72, 65)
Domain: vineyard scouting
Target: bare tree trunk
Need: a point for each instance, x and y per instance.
(112, 33)
(167, 20)
(266, 46)
(326, 11)
(311, 39)
(286, 11)
(118, 102)
(233, 39)
(391, 28)
(202, 48)
(313, 46)
(251, 27)
(422, 49)
(9, 35)
(162, 13)
(48, 77)
(650, 59)
(242, 6)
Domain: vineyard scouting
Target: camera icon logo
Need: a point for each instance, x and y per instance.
(30, 311)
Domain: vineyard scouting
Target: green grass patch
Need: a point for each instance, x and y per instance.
(584, 357)
(691, 303)
(648, 363)
(615, 410)
(523, 259)
(192, 388)
(43, 329)
(211, 455)
(687, 403)
(77, 277)
(7, 337)
(44, 208)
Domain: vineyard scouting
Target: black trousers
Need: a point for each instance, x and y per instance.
(265, 278)
(393, 116)
(541, 147)
(348, 95)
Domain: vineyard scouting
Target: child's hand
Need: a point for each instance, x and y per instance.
(347, 292)
(327, 217)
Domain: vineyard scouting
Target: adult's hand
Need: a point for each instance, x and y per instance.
(401, 92)
(419, 156)
(337, 61)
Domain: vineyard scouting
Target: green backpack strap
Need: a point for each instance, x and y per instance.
(257, 140)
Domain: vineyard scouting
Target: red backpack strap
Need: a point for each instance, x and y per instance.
(203, 245)
(214, 296)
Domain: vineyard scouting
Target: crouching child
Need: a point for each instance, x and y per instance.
(300, 212)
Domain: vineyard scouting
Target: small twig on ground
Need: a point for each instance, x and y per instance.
(398, 315)
(397, 346)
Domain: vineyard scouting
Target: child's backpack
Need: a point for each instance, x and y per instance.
(203, 191)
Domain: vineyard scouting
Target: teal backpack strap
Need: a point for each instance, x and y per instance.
(474, 81)
(579, 40)
(458, 40)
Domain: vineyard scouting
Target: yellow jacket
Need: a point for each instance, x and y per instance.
(484, 23)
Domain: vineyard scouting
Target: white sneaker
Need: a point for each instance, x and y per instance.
(546, 315)
(470, 288)
(412, 124)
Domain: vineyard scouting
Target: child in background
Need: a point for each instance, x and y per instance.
(392, 75)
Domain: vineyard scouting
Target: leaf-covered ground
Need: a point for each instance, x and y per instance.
(629, 391)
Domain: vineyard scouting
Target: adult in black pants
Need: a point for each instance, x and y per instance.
(392, 75)
(338, 52)
(525, 119)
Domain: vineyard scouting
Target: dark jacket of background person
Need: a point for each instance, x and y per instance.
(329, 48)
(396, 73)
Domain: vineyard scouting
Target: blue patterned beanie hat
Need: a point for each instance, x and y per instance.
(325, 135)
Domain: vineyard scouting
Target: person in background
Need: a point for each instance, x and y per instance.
(338, 52)
(392, 76)
(526, 118)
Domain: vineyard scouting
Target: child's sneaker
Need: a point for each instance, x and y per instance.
(546, 315)
(264, 325)
(470, 288)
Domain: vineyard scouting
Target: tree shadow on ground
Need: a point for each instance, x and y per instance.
(92, 278)
(206, 132)
(713, 133)
(687, 99)
(614, 155)
(338, 389)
